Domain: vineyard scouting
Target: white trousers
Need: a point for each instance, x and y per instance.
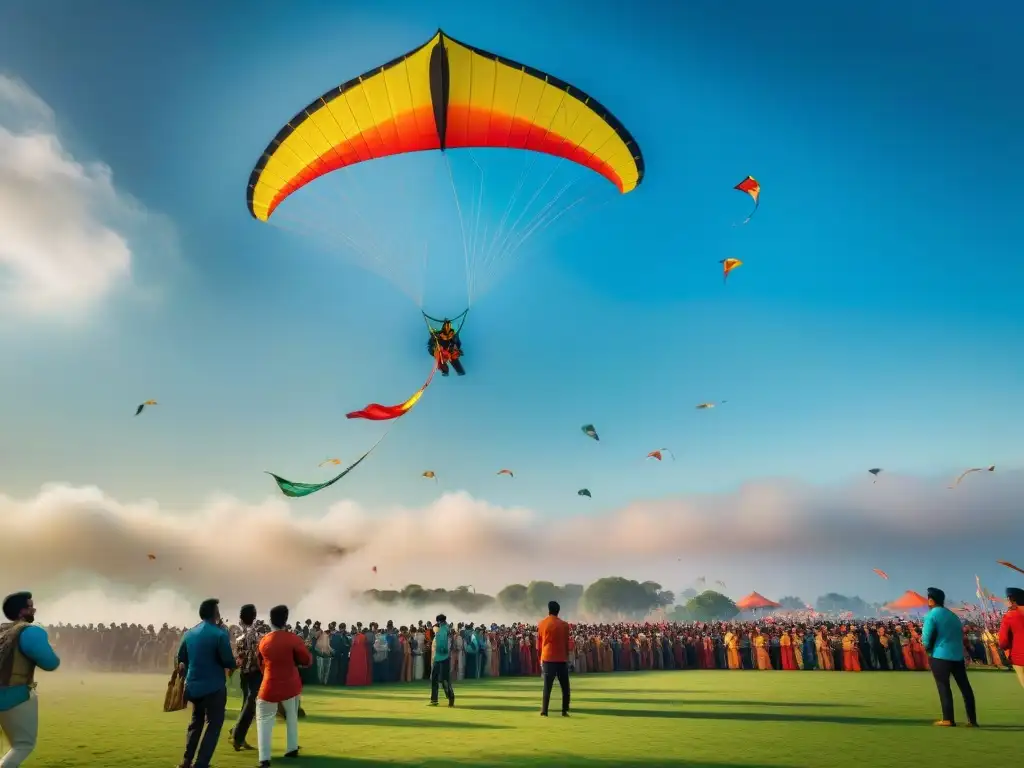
(20, 725)
(266, 711)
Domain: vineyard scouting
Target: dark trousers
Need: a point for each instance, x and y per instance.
(441, 674)
(251, 682)
(942, 670)
(552, 670)
(208, 710)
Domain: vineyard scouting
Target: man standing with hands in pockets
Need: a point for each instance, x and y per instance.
(553, 644)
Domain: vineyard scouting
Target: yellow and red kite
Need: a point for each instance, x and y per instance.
(443, 95)
(728, 265)
(752, 187)
(378, 412)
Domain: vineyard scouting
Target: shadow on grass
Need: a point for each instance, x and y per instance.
(401, 722)
(563, 760)
(761, 717)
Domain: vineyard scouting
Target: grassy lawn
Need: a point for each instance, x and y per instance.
(685, 719)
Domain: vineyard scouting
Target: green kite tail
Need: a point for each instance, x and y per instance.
(298, 490)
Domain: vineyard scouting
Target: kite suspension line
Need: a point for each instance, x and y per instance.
(462, 227)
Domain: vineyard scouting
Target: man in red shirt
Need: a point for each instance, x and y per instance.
(1011, 631)
(280, 654)
(553, 644)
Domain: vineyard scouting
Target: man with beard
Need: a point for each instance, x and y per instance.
(250, 676)
(23, 648)
(203, 656)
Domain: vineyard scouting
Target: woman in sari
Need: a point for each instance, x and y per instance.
(322, 655)
(359, 662)
(786, 651)
(823, 647)
(761, 651)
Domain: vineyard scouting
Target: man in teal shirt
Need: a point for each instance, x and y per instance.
(943, 640)
(204, 655)
(441, 669)
(23, 648)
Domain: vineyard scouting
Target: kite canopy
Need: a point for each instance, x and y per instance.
(908, 601)
(755, 602)
(443, 95)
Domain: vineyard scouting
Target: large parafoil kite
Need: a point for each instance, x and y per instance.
(445, 95)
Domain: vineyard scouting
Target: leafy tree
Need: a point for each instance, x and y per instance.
(711, 606)
(791, 603)
(679, 613)
(539, 593)
(513, 599)
(619, 597)
(833, 602)
(414, 594)
(570, 600)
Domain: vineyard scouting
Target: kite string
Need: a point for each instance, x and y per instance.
(462, 227)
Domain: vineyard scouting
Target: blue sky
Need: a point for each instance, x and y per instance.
(877, 319)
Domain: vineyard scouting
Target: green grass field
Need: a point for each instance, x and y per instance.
(686, 719)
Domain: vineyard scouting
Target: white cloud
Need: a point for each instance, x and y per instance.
(67, 539)
(66, 232)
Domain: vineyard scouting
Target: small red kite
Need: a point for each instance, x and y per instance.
(657, 455)
(881, 573)
(505, 472)
(752, 187)
(1010, 565)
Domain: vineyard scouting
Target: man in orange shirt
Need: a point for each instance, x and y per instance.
(281, 653)
(553, 644)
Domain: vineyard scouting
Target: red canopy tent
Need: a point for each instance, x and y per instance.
(755, 602)
(908, 601)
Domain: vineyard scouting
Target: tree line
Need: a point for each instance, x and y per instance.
(611, 598)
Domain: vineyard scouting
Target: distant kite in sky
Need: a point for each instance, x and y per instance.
(706, 406)
(876, 472)
(589, 431)
(720, 584)
(430, 475)
(881, 573)
(151, 556)
(505, 472)
(374, 569)
(751, 187)
(657, 455)
(1010, 565)
(335, 462)
(584, 492)
(142, 407)
(991, 468)
(728, 265)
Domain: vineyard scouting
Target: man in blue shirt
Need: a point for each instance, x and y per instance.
(943, 640)
(23, 648)
(204, 654)
(441, 669)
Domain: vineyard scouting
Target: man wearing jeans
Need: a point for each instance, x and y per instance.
(441, 669)
(250, 676)
(553, 644)
(943, 639)
(23, 648)
(203, 656)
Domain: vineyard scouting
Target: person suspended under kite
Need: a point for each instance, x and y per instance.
(589, 431)
(505, 472)
(584, 492)
(657, 455)
(752, 187)
(965, 473)
(142, 407)
(881, 573)
(445, 344)
(430, 475)
(876, 472)
(728, 265)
